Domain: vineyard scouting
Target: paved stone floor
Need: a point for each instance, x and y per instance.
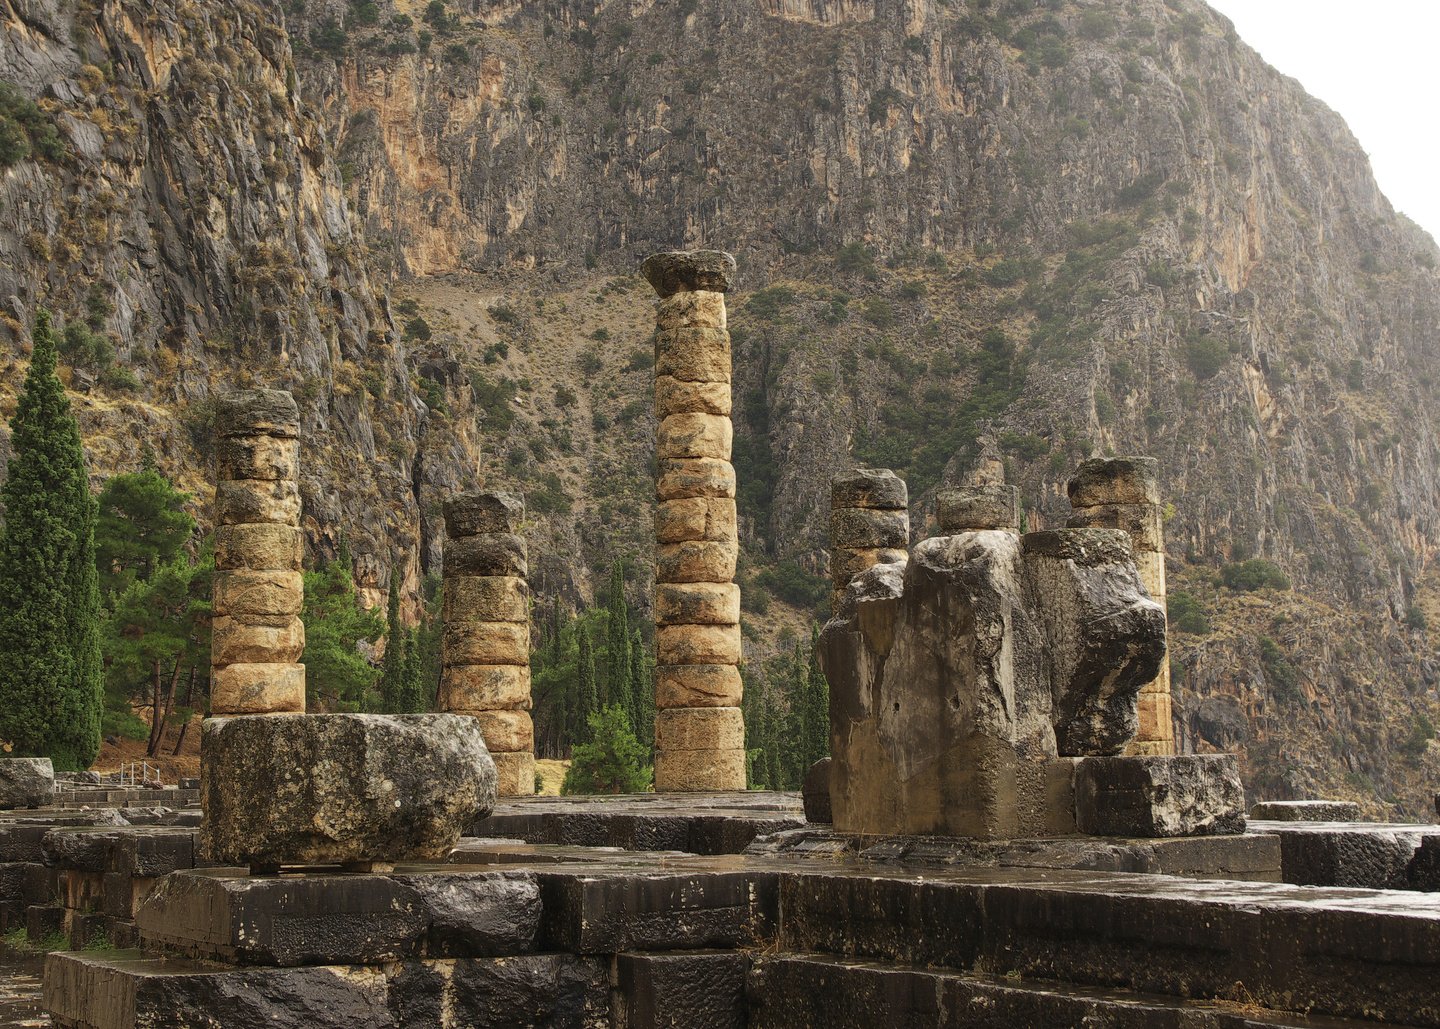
(20, 994)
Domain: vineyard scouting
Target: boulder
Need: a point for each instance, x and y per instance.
(26, 782)
(1187, 795)
(328, 789)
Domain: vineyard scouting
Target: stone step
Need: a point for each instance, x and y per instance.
(1369, 855)
(794, 991)
(1346, 953)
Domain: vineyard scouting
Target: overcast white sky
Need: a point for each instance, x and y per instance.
(1378, 64)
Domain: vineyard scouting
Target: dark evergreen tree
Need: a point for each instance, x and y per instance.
(392, 670)
(587, 688)
(612, 762)
(642, 689)
(413, 696)
(617, 645)
(338, 677)
(816, 729)
(51, 680)
(142, 524)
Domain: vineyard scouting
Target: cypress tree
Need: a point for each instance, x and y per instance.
(51, 681)
(392, 671)
(617, 645)
(817, 705)
(642, 689)
(587, 691)
(413, 698)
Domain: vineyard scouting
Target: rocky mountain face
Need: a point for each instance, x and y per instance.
(974, 237)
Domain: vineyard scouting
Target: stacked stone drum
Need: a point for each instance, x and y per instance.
(869, 525)
(699, 730)
(1124, 493)
(486, 643)
(257, 636)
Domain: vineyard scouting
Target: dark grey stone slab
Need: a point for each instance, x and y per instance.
(684, 990)
(26, 882)
(478, 914)
(1186, 795)
(144, 850)
(816, 793)
(26, 782)
(1370, 855)
(591, 910)
(1306, 811)
(1423, 872)
(21, 836)
(44, 922)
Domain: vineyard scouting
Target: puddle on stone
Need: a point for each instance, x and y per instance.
(20, 1006)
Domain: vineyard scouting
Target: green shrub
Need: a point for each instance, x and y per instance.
(768, 303)
(1254, 574)
(1187, 615)
(417, 329)
(855, 257)
(879, 312)
(1283, 677)
(1205, 356)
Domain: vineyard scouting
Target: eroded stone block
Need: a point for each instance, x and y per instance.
(681, 686)
(876, 488)
(679, 478)
(694, 435)
(972, 508)
(26, 782)
(486, 643)
(695, 519)
(486, 598)
(700, 728)
(690, 771)
(678, 396)
(243, 501)
(697, 644)
(1185, 795)
(506, 731)
(472, 688)
(266, 688)
(700, 561)
(241, 639)
(697, 603)
(482, 512)
(257, 593)
(495, 553)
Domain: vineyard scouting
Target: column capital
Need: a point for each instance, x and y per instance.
(682, 271)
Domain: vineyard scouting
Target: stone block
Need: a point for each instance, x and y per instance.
(693, 355)
(486, 643)
(815, 792)
(1372, 857)
(696, 519)
(696, 562)
(971, 508)
(483, 512)
(251, 639)
(497, 553)
(681, 686)
(846, 563)
(257, 457)
(486, 598)
(506, 731)
(694, 435)
(258, 689)
(697, 644)
(679, 396)
(257, 412)
(1045, 796)
(1115, 480)
(699, 728)
(1141, 522)
(856, 528)
(697, 603)
(1188, 795)
(684, 990)
(679, 478)
(320, 789)
(26, 782)
(469, 688)
(261, 547)
(876, 488)
(492, 914)
(693, 771)
(1423, 872)
(246, 501)
(1154, 717)
(257, 593)
(44, 924)
(691, 309)
(1306, 811)
(680, 271)
(514, 774)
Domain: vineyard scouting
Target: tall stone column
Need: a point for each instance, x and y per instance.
(699, 730)
(1124, 493)
(485, 649)
(257, 635)
(869, 525)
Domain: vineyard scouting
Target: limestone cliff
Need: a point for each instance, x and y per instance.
(1002, 234)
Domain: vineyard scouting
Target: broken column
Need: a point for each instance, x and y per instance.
(1124, 493)
(869, 525)
(257, 636)
(486, 642)
(699, 730)
(279, 787)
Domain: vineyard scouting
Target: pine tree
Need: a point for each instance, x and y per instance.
(612, 762)
(338, 677)
(50, 671)
(142, 524)
(392, 671)
(413, 697)
(587, 693)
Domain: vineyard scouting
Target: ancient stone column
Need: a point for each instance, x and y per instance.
(257, 633)
(485, 648)
(869, 525)
(1124, 493)
(699, 731)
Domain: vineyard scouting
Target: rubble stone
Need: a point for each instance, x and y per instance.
(26, 782)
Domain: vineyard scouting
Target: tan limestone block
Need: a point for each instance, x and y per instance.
(1141, 521)
(257, 593)
(693, 355)
(256, 639)
(697, 644)
(259, 547)
(514, 774)
(845, 563)
(243, 501)
(1155, 717)
(486, 643)
(696, 518)
(483, 511)
(692, 309)
(858, 528)
(506, 732)
(257, 689)
(495, 553)
(697, 603)
(697, 686)
(696, 562)
(485, 688)
(257, 412)
(695, 477)
(700, 728)
(694, 435)
(677, 396)
(486, 598)
(1150, 748)
(1115, 480)
(1151, 566)
(696, 771)
(257, 457)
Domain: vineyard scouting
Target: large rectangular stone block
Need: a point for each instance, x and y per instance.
(506, 731)
(697, 603)
(1141, 521)
(971, 508)
(699, 728)
(248, 639)
(696, 562)
(697, 644)
(694, 990)
(694, 435)
(1115, 480)
(483, 512)
(470, 688)
(1186, 795)
(257, 593)
(257, 412)
(258, 689)
(679, 478)
(678, 396)
(696, 771)
(495, 553)
(693, 355)
(514, 773)
(679, 686)
(691, 309)
(486, 598)
(857, 528)
(257, 457)
(486, 643)
(259, 547)
(694, 519)
(876, 488)
(246, 501)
